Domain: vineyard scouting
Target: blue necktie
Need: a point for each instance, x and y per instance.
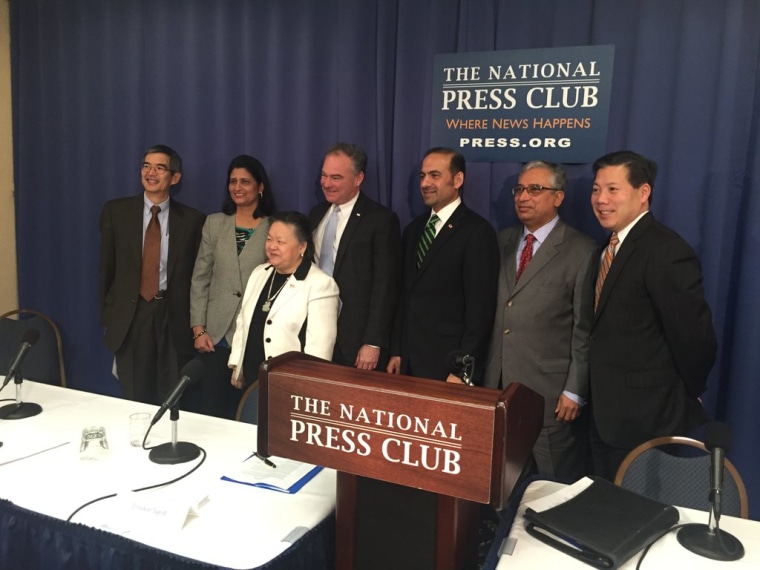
(327, 251)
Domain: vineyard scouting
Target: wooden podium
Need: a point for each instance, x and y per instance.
(440, 449)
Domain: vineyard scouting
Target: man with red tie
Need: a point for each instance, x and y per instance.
(543, 316)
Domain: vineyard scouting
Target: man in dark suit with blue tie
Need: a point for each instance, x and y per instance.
(358, 242)
(450, 273)
(652, 340)
(145, 297)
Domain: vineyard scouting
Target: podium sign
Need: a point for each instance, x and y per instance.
(444, 438)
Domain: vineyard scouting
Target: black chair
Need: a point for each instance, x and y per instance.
(44, 362)
(248, 408)
(676, 471)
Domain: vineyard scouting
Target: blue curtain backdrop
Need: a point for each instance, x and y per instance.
(95, 83)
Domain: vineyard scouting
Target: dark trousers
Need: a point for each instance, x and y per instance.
(214, 395)
(146, 362)
(605, 459)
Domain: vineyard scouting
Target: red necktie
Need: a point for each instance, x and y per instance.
(526, 255)
(151, 257)
(604, 268)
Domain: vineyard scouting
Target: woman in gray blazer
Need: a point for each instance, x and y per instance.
(232, 246)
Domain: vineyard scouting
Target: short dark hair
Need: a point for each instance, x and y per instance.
(457, 162)
(559, 178)
(301, 227)
(641, 170)
(254, 167)
(354, 152)
(175, 160)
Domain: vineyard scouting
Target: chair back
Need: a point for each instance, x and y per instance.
(44, 362)
(248, 408)
(662, 470)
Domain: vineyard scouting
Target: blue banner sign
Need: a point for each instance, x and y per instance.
(520, 105)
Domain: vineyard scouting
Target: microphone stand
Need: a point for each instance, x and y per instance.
(708, 540)
(175, 451)
(19, 410)
(467, 371)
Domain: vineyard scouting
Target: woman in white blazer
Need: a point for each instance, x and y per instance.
(289, 303)
(232, 246)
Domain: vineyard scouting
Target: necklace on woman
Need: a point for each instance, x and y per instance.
(268, 303)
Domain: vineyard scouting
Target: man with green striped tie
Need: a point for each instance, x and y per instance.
(450, 268)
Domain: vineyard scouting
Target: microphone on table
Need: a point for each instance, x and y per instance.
(30, 338)
(20, 409)
(177, 451)
(707, 539)
(463, 363)
(191, 373)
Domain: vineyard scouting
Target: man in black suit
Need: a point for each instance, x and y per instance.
(450, 274)
(147, 320)
(361, 252)
(652, 341)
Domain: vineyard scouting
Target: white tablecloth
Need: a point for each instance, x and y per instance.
(238, 527)
(667, 553)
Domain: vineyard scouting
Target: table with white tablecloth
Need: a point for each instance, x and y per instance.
(530, 553)
(227, 524)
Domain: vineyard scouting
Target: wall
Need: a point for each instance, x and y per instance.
(8, 281)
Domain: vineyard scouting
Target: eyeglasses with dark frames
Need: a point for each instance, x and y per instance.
(531, 189)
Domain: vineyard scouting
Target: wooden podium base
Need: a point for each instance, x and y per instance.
(381, 525)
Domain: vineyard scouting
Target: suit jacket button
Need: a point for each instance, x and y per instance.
(507, 331)
(238, 294)
(509, 304)
(268, 340)
(269, 321)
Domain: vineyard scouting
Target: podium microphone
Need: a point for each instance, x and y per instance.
(30, 338)
(177, 451)
(708, 540)
(464, 363)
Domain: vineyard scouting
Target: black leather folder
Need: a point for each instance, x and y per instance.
(604, 525)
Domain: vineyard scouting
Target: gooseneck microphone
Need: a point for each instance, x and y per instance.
(30, 338)
(707, 539)
(20, 409)
(177, 451)
(191, 373)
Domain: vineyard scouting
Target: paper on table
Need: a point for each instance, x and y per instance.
(560, 496)
(287, 476)
(14, 448)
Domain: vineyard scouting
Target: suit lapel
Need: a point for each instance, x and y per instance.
(621, 258)
(133, 221)
(448, 229)
(176, 236)
(288, 292)
(542, 257)
(508, 255)
(354, 219)
(245, 259)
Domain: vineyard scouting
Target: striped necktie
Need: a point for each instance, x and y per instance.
(604, 268)
(427, 238)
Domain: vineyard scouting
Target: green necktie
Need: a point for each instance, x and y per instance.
(427, 238)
